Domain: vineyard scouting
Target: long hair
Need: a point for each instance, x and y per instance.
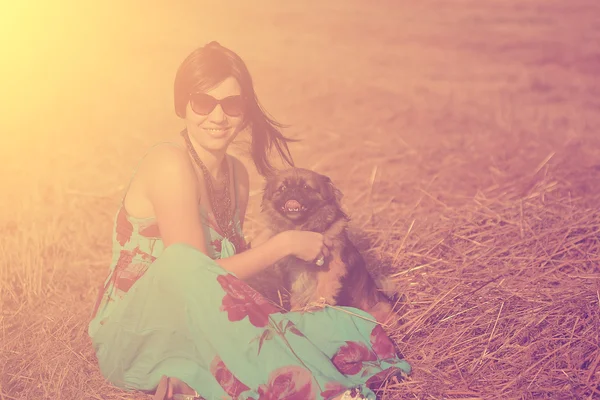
(210, 65)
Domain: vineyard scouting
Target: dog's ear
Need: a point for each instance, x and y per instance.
(271, 183)
(268, 190)
(330, 191)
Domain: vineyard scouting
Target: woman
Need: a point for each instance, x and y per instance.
(174, 316)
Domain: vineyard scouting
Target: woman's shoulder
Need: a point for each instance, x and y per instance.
(166, 154)
(167, 149)
(163, 171)
(167, 161)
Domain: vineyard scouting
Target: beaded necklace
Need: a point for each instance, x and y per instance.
(220, 201)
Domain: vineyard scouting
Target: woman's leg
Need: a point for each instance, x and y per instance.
(189, 319)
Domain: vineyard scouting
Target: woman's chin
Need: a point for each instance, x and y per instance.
(213, 141)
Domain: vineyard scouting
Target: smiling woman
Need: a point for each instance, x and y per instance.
(174, 315)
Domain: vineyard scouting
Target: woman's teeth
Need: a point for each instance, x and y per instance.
(217, 132)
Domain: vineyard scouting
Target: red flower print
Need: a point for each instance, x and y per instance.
(125, 258)
(237, 241)
(145, 256)
(241, 300)
(126, 271)
(379, 378)
(226, 379)
(382, 344)
(125, 279)
(123, 228)
(349, 358)
(150, 231)
(217, 245)
(124, 283)
(288, 383)
(332, 389)
(240, 243)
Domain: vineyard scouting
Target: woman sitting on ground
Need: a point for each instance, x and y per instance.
(174, 316)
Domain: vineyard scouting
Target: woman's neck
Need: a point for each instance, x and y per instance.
(212, 160)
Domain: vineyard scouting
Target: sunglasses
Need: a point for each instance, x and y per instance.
(204, 104)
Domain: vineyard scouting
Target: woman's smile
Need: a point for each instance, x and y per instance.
(217, 133)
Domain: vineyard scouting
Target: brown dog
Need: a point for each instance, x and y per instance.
(301, 199)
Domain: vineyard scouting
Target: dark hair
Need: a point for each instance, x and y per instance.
(210, 65)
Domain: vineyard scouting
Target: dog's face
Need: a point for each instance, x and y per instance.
(297, 193)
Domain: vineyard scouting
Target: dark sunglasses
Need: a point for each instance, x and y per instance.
(204, 104)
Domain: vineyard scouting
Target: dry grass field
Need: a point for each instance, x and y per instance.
(464, 135)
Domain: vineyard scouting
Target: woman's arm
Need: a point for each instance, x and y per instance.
(172, 188)
(263, 235)
(254, 260)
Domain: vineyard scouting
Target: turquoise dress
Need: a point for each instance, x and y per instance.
(174, 311)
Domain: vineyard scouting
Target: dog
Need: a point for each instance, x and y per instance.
(301, 199)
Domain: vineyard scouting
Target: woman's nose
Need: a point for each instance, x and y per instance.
(217, 114)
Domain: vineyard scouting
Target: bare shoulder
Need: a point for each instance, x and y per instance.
(166, 154)
(165, 167)
(170, 187)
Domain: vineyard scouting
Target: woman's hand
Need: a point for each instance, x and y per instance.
(308, 246)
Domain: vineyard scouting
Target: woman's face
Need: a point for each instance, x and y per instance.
(215, 125)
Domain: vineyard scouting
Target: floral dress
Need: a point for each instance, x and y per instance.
(174, 311)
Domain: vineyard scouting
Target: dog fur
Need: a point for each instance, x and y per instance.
(344, 279)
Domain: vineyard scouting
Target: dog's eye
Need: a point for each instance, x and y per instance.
(306, 187)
